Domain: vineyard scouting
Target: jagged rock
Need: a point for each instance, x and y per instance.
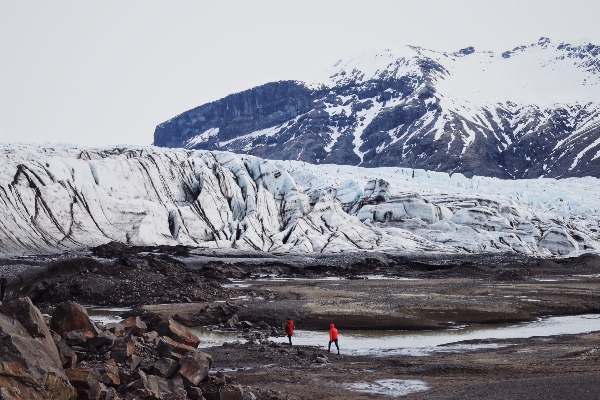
(103, 339)
(68, 358)
(28, 315)
(30, 361)
(169, 348)
(246, 324)
(133, 361)
(147, 365)
(179, 333)
(232, 322)
(134, 325)
(229, 392)
(70, 316)
(125, 376)
(78, 337)
(107, 393)
(86, 381)
(194, 366)
(115, 328)
(122, 349)
(263, 325)
(165, 367)
(150, 386)
(194, 393)
(109, 374)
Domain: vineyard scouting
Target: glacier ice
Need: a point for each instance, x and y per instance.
(59, 198)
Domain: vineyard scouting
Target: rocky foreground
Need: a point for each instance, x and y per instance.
(70, 357)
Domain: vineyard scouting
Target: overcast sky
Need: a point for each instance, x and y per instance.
(107, 72)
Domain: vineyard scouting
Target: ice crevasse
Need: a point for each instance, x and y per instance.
(58, 198)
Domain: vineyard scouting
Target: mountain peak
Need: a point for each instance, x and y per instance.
(528, 112)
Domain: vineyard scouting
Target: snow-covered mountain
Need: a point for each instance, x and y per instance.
(60, 198)
(529, 112)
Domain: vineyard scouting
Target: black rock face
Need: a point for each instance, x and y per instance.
(397, 120)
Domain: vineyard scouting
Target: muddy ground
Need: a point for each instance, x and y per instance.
(207, 287)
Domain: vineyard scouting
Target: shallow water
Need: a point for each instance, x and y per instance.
(420, 343)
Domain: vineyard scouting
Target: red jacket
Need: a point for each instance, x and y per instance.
(289, 327)
(333, 333)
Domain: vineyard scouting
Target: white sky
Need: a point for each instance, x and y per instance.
(107, 72)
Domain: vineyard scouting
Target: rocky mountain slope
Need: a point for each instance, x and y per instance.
(529, 112)
(54, 199)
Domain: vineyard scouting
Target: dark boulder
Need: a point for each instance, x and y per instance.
(70, 316)
(29, 360)
(179, 333)
(87, 382)
(165, 367)
(194, 366)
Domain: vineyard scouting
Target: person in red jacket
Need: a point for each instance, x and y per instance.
(289, 329)
(333, 337)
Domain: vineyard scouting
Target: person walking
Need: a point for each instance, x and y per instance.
(289, 329)
(333, 338)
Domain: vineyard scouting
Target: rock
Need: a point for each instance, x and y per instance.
(165, 367)
(28, 315)
(108, 393)
(150, 336)
(70, 316)
(105, 338)
(263, 325)
(29, 359)
(109, 374)
(171, 349)
(122, 349)
(194, 393)
(125, 376)
(155, 387)
(194, 366)
(147, 365)
(78, 337)
(86, 381)
(229, 392)
(246, 324)
(249, 395)
(115, 328)
(179, 333)
(68, 358)
(232, 322)
(134, 325)
(133, 361)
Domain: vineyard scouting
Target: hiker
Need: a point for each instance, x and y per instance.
(289, 329)
(333, 337)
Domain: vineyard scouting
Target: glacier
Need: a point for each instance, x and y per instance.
(63, 198)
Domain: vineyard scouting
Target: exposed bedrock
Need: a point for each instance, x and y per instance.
(60, 199)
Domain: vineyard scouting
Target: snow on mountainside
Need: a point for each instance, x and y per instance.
(60, 198)
(529, 112)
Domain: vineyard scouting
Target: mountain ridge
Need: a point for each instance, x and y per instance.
(529, 112)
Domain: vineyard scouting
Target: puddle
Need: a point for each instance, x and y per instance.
(422, 343)
(103, 315)
(210, 338)
(390, 387)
